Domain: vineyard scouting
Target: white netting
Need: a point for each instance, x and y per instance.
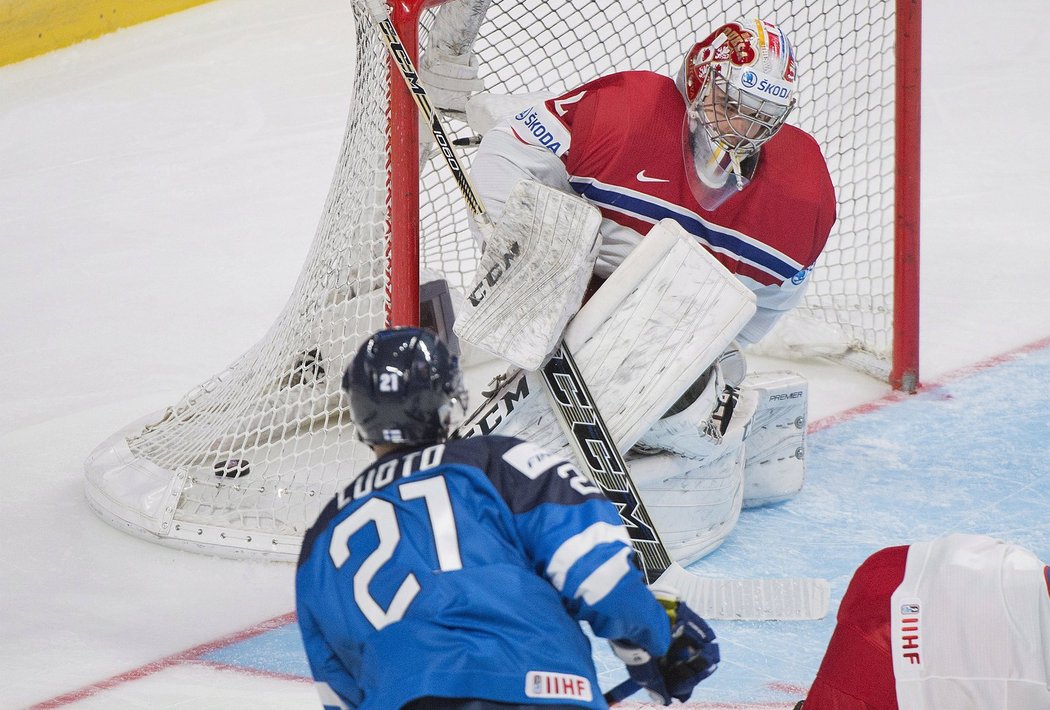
(846, 80)
(243, 463)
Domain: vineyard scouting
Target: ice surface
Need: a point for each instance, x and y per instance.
(159, 188)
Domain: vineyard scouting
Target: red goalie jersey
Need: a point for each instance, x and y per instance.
(618, 142)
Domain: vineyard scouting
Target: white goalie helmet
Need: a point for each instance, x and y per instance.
(739, 88)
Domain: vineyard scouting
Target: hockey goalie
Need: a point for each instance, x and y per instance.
(708, 212)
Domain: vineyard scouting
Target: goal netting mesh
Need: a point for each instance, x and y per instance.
(243, 462)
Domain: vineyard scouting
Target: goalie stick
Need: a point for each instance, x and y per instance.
(589, 436)
(621, 692)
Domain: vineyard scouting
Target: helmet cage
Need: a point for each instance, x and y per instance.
(739, 122)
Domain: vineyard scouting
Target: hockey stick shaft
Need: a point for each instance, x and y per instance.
(590, 437)
(431, 115)
(596, 450)
(621, 692)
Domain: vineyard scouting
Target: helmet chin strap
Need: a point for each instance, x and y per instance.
(728, 160)
(736, 169)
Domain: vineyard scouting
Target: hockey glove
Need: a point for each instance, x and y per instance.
(693, 654)
(449, 79)
(643, 670)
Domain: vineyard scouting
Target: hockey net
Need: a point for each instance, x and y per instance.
(242, 464)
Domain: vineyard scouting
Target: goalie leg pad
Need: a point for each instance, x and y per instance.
(775, 468)
(694, 504)
(696, 432)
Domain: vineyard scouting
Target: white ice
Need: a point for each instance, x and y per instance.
(159, 188)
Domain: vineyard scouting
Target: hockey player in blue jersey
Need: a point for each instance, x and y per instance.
(454, 574)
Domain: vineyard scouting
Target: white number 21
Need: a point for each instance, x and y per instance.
(434, 493)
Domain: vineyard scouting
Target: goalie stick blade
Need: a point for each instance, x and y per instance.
(790, 599)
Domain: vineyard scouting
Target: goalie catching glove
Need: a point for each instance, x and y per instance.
(450, 79)
(692, 656)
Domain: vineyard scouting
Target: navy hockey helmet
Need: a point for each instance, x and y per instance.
(404, 388)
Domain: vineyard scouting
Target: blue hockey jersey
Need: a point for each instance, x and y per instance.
(461, 569)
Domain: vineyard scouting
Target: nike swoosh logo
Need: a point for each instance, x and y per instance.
(642, 177)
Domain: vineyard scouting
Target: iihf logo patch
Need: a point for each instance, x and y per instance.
(908, 644)
(543, 684)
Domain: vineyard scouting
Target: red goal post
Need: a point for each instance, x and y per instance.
(242, 464)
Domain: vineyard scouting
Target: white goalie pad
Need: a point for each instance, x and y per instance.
(647, 334)
(532, 275)
(698, 432)
(690, 474)
(775, 468)
(666, 313)
(694, 504)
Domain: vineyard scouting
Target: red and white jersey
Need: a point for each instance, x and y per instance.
(959, 623)
(970, 627)
(618, 142)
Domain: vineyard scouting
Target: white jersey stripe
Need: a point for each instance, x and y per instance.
(722, 239)
(570, 551)
(604, 579)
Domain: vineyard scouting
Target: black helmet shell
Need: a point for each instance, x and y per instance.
(403, 386)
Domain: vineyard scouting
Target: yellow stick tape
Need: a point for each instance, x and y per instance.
(32, 27)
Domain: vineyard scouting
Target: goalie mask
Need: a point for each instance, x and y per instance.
(404, 388)
(739, 87)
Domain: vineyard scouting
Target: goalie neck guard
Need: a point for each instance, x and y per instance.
(739, 88)
(404, 388)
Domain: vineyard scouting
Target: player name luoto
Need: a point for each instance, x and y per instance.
(385, 473)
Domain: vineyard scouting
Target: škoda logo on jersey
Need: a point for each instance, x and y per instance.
(530, 121)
